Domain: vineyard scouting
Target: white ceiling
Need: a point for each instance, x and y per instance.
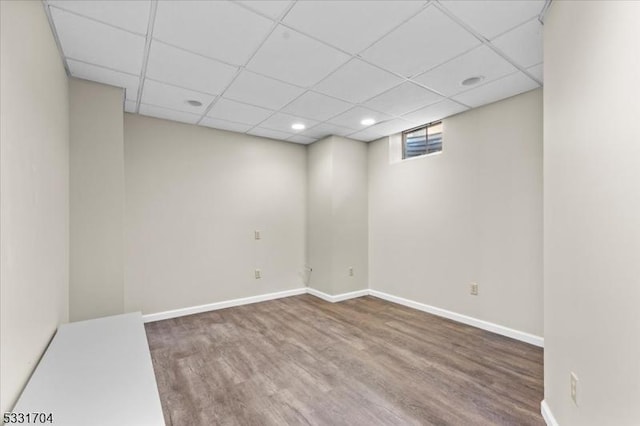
(260, 66)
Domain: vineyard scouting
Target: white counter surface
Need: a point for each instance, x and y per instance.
(96, 372)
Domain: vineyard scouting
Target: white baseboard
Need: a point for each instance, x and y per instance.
(485, 325)
(322, 295)
(222, 305)
(337, 297)
(547, 415)
(351, 295)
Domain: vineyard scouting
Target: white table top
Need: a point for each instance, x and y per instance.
(96, 372)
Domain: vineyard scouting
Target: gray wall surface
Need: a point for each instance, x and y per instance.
(34, 193)
(592, 212)
(472, 213)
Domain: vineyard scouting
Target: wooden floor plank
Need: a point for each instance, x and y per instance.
(365, 361)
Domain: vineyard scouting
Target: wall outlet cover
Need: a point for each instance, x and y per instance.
(574, 388)
(474, 289)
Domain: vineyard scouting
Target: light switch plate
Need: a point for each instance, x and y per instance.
(574, 388)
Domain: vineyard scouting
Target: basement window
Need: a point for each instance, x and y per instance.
(423, 140)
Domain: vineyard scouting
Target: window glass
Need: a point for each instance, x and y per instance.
(422, 140)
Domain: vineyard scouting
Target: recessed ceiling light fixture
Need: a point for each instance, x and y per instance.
(194, 103)
(368, 122)
(472, 80)
(298, 126)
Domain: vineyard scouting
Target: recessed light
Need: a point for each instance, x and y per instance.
(472, 80)
(194, 103)
(298, 126)
(368, 122)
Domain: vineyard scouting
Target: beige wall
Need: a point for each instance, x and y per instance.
(34, 192)
(194, 197)
(592, 211)
(337, 215)
(320, 214)
(350, 215)
(472, 213)
(96, 286)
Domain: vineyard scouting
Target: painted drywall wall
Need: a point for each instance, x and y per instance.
(194, 197)
(350, 215)
(320, 215)
(472, 213)
(34, 194)
(592, 212)
(96, 286)
(337, 225)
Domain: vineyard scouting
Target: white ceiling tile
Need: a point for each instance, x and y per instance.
(226, 109)
(164, 95)
(481, 61)
(178, 67)
(435, 112)
(403, 98)
(301, 139)
(217, 29)
(268, 133)
(295, 58)
(425, 41)
(505, 87)
(368, 135)
(97, 43)
(168, 114)
(357, 81)
(537, 71)
(365, 136)
(224, 125)
(350, 25)
(316, 106)
(272, 8)
(98, 39)
(523, 44)
(262, 91)
(383, 129)
(106, 76)
(130, 15)
(130, 106)
(493, 17)
(282, 122)
(326, 129)
(393, 126)
(354, 116)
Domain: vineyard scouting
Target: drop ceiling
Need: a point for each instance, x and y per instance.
(257, 67)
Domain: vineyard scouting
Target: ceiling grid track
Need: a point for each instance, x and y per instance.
(490, 45)
(545, 9)
(385, 114)
(352, 57)
(56, 38)
(147, 47)
(242, 67)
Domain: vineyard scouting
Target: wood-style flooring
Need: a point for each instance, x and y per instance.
(301, 360)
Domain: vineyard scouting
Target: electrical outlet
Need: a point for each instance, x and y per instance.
(574, 388)
(474, 289)
(256, 235)
(350, 271)
(258, 274)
